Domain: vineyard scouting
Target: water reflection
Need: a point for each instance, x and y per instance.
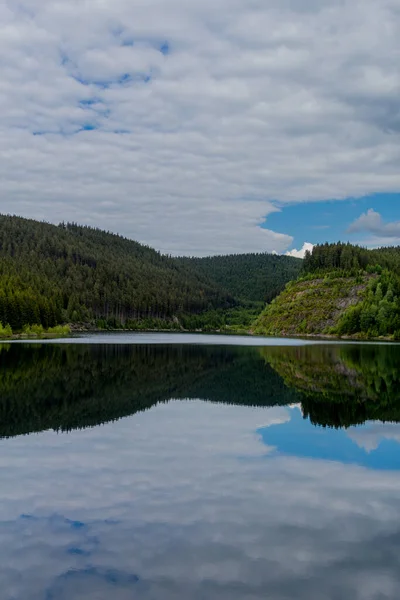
(65, 387)
(238, 498)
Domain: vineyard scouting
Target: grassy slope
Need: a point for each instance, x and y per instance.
(310, 306)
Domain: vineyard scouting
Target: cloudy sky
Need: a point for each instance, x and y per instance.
(204, 126)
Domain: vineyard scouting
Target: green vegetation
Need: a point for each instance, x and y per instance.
(39, 331)
(344, 290)
(51, 275)
(379, 312)
(310, 306)
(238, 319)
(251, 278)
(349, 259)
(54, 275)
(35, 331)
(5, 331)
(70, 386)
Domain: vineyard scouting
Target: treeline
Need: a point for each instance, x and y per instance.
(68, 273)
(250, 278)
(350, 258)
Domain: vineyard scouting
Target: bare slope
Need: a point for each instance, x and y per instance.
(311, 306)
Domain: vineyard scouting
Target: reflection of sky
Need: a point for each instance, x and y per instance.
(370, 446)
(202, 339)
(185, 501)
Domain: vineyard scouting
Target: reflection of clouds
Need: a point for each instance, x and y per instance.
(161, 505)
(370, 436)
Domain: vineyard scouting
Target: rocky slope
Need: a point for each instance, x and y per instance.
(311, 306)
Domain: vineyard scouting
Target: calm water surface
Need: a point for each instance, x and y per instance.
(135, 468)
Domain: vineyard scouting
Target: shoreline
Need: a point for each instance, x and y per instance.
(245, 333)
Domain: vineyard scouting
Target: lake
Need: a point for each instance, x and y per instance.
(164, 466)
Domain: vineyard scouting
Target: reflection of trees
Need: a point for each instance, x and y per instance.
(73, 386)
(342, 385)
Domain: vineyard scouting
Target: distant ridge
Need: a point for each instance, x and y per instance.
(257, 277)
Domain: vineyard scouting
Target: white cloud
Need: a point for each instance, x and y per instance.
(301, 253)
(372, 222)
(249, 107)
(372, 434)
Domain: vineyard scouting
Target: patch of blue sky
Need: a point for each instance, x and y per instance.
(128, 42)
(125, 38)
(319, 222)
(88, 127)
(90, 101)
(299, 438)
(121, 80)
(165, 48)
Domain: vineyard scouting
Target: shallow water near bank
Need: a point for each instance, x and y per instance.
(207, 339)
(140, 338)
(194, 469)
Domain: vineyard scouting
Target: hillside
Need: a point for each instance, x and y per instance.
(344, 290)
(51, 274)
(248, 277)
(310, 306)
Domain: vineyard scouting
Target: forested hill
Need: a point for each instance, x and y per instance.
(343, 290)
(68, 273)
(249, 277)
(51, 274)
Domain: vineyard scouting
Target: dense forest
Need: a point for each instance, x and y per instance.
(249, 277)
(51, 275)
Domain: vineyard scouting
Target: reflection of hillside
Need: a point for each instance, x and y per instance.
(74, 386)
(343, 385)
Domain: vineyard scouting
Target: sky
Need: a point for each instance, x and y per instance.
(204, 126)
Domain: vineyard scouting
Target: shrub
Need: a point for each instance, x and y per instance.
(5, 330)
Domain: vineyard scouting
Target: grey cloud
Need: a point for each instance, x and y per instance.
(256, 105)
(372, 222)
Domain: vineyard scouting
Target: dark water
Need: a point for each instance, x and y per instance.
(181, 471)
